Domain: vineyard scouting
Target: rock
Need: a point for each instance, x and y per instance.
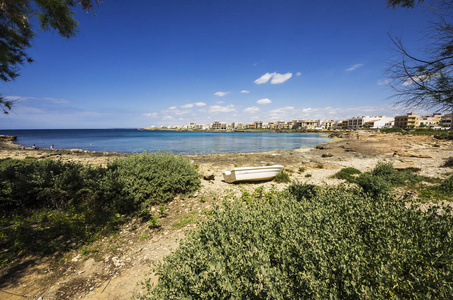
(209, 177)
(327, 155)
(321, 147)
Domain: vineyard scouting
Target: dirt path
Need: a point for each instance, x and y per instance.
(113, 266)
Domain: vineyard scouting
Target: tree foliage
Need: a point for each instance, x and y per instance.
(426, 80)
(17, 19)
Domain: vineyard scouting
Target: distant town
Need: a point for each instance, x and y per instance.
(411, 120)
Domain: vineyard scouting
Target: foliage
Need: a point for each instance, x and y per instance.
(426, 81)
(282, 176)
(347, 174)
(337, 244)
(383, 178)
(447, 185)
(47, 206)
(391, 130)
(155, 178)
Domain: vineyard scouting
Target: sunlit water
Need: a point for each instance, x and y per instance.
(178, 142)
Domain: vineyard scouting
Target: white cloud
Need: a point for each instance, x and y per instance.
(150, 115)
(354, 67)
(220, 102)
(265, 78)
(172, 107)
(252, 109)
(221, 94)
(280, 78)
(200, 104)
(264, 101)
(221, 109)
(245, 92)
(187, 105)
(167, 118)
(275, 78)
(383, 82)
(298, 73)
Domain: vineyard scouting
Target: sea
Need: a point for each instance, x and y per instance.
(177, 142)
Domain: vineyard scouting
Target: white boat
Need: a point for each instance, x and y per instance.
(251, 173)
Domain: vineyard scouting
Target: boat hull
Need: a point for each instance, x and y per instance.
(251, 173)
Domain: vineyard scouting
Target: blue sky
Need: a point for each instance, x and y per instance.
(142, 63)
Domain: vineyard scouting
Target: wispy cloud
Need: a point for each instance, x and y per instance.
(354, 67)
(264, 101)
(252, 109)
(151, 115)
(245, 92)
(383, 82)
(263, 79)
(221, 109)
(187, 105)
(200, 104)
(275, 78)
(221, 94)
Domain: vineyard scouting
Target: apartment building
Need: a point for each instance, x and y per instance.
(305, 124)
(446, 120)
(218, 125)
(431, 120)
(258, 124)
(411, 120)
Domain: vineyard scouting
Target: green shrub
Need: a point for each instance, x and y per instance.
(383, 178)
(447, 185)
(347, 174)
(302, 191)
(282, 177)
(338, 244)
(155, 178)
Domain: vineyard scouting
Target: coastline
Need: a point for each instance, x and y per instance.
(118, 270)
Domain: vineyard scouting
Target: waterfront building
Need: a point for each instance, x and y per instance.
(281, 124)
(305, 124)
(411, 120)
(218, 125)
(258, 124)
(446, 120)
(430, 121)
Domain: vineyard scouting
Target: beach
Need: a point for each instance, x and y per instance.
(113, 274)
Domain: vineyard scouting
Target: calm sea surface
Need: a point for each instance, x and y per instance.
(178, 142)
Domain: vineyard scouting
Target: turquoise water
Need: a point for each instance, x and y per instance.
(178, 142)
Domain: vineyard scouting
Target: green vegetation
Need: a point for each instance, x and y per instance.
(186, 220)
(347, 174)
(47, 206)
(282, 176)
(313, 243)
(384, 178)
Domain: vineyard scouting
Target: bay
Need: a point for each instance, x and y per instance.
(178, 142)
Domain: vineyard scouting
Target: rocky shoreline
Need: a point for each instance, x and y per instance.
(113, 273)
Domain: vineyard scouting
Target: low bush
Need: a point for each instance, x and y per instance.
(155, 178)
(347, 174)
(44, 203)
(337, 244)
(282, 177)
(447, 185)
(383, 178)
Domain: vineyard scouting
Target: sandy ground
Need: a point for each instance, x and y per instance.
(120, 263)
